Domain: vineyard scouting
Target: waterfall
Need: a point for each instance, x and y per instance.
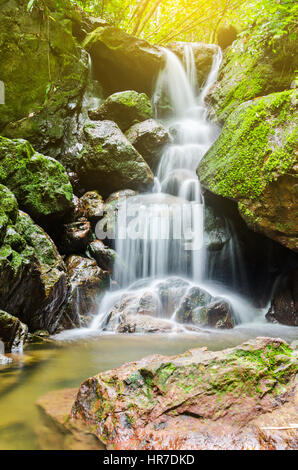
(161, 234)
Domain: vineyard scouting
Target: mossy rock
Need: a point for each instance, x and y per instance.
(39, 183)
(29, 262)
(199, 399)
(254, 162)
(125, 108)
(252, 68)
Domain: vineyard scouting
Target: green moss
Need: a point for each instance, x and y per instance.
(126, 108)
(252, 69)
(256, 146)
(39, 183)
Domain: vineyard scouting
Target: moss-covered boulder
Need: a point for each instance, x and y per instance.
(122, 62)
(13, 332)
(109, 162)
(125, 108)
(29, 262)
(254, 162)
(232, 399)
(254, 66)
(39, 183)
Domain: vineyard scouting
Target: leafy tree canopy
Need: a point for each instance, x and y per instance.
(163, 21)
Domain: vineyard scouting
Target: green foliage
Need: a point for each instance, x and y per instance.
(162, 21)
(30, 5)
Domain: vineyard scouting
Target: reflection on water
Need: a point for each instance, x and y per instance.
(48, 367)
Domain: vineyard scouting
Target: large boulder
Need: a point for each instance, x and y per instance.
(284, 305)
(254, 66)
(254, 162)
(13, 332)
(29, 262)
(149, 138)
(39, 183)
(122, 62)
(199, 308)
(125, 108)
(239, 398)
(87, 282)
(109, 162)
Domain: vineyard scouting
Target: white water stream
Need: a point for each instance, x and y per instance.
(171, 218)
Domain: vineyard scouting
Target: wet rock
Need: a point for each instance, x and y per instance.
(104, 256)
(190, 308)
(78, 210)
(88, 283)
(39, 183)
(215, 230)
(75, 236)
(171, 292)
(219, 314)
(144, 324)
(203, 55)
(110, 162)
(172, 403)
(149, 138)
(284, 307)
(12, 332)
(122, 62)
(254, 163)
(126, 108)
(93, 204)
(29, 262)
(198, 307)
(130, 306)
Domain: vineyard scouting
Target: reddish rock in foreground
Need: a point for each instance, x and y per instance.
(196, 400)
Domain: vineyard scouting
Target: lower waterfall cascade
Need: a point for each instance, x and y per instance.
(179, 264)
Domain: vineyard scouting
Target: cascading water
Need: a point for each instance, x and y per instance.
(166, 227)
